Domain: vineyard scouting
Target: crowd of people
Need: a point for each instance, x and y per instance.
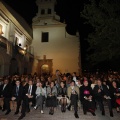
(65, 90)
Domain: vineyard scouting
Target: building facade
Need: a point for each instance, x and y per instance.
(54, 48)
(16, 54)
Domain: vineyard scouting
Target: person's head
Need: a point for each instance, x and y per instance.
(104, 83)
(74, 74)
(30, 82)
(42, 78)
(85, 83)
(62, 84)
(41, 83)
(22, 79)
(15, 78)
(26, 79)
(99, 82)
(17, 82)
(79, 82)
(57, 72)
(6, 81)
(72, 83)
(49, 78)
(114, 84)
(52, 84)
(37, 80)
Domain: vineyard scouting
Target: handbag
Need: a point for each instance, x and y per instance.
(118, 101)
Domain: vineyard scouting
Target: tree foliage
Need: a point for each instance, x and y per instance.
(104, 39)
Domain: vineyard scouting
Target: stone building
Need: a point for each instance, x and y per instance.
(16, 55)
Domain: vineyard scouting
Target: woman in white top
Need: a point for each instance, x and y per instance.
(40, 96)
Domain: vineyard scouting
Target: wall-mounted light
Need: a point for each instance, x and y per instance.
(25, 48)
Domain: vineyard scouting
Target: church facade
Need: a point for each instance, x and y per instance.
(54, 48)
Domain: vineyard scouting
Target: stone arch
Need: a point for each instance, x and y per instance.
(41, 64)
(45, 69)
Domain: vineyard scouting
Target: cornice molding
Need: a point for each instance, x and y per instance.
(14, 21)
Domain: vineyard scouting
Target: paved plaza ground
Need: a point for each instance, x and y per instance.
(58, 115)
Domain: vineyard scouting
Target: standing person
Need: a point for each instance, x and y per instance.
(79, 83)
(28, 96)
(6, 94)
(49, 79)
(58, 78)
(86, 98)
(101, 93)
(74, 77)
(17, 94)
(73, 94)
(51, 100)
(40, 96)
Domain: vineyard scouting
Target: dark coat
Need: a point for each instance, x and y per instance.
(99, 95)
(7, 92)
(20, 93)
(62, 91)
(33, 90)
(82, 93)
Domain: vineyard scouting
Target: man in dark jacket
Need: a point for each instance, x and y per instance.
(101, 92)
(17, 94)
(6, 92)
(28, 96)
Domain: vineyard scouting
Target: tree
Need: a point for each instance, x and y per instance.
(104, 39)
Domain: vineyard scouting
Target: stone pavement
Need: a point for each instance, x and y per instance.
(58, 115)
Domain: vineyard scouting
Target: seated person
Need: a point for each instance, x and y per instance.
(6, 92)
(17, 94)
(51, 100)
(62, 96)
(73, 94)
(86, 98)
(40, 96)
(101, 92)
(28, 96)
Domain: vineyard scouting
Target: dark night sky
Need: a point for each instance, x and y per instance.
(68, 10)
